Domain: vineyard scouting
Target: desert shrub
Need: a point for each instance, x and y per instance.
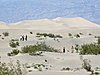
(30, 49)
(70, 34)
(14, 44)
(14, 39)
(59, 36)
(31, 32)
(98, 40)
(17, 43)
(77, 36)
(5, 34)
(90, 34)
(77, 48)
(65, 69)
(86, 65)
(49, 35)
(90, 49)
(11, 69)
(14, 52)
(34, 49)
(3, 38)
(81, 33)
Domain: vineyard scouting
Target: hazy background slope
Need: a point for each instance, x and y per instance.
(18, 10)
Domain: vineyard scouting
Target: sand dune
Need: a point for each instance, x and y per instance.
(3, 25)
(51, 24)
(57, 61)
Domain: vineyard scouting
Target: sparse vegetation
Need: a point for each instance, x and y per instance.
(11, 69)
(35, 49)
(81, 33)
(77, 36)
(14, 52)
(48, 35)
(32, 49)
(5, 34)
(14, 44)
(70, 34)
(90, 49)
(65, 69)
(86, 65)
(90, 34)
(31, 32)
(77, 48)
(98, 40)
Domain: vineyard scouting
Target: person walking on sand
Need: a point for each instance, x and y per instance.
(64, 49)
(23, 38)
(20, 37)
(26, 37)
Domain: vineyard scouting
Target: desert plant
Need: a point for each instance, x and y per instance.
(31, 32)
(90, 49)
(58, 36)
(77, 36)
(3, 38)
(14, 52)
(14, 44)
(98, 40)
(70, 34)
(5, 34)
(90, 34)
(49, 35)
(86, 65)
(81, 33)
(36, 49)
(11, 69)
(77, 48)
(65, 69)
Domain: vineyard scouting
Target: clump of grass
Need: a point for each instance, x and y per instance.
(14, 52)
(5, 34)
(70, 34)
(65, 69)
(48, 35)
(11, 69)
(14, 44)
(36, 49)
(77, 36)
(93, 49)
(86, 65)
(31, 32)
(32, 49)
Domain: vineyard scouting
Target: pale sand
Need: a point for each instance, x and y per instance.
(61, 26)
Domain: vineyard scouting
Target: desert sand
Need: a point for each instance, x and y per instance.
(56, 61)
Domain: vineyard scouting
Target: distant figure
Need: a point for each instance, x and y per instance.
(23, 38)
(46, 61)
(26, 38)
(20, 38)
(63, 49)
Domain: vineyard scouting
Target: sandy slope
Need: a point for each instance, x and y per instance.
(61, 26)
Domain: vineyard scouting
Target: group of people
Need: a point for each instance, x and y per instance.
(23, 38)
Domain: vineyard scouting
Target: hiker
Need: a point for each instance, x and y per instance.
(23, 38)
(63, 49)
(20, 37)
(26, 38)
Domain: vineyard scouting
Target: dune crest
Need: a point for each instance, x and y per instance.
(51, 24)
